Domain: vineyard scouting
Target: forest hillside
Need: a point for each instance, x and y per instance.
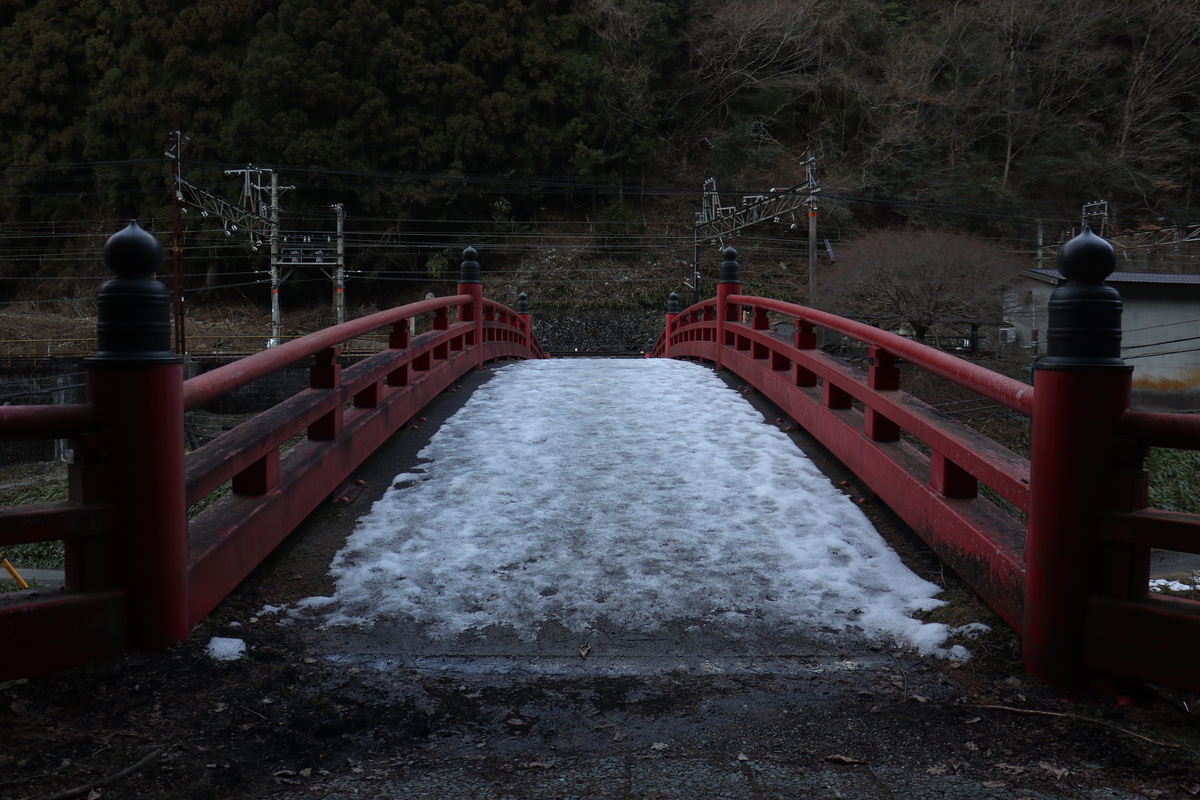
(590, 123)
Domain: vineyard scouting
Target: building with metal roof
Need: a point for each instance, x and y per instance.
(1160, 322)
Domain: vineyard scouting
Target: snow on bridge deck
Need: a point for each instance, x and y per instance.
(589, 496)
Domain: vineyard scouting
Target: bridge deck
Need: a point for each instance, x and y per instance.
(684, 704)
(642, 510)
(680, 702)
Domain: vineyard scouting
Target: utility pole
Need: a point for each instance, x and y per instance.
(339, 280)
(259, 218)
(306, 250)
(812, 229)
(176, 155)
(261, 212)
(708, 205)
(276, 317)
(1095, 216)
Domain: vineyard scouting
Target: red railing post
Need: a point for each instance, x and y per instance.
(399, 339)
(526, 317)
(805, 339)
(729, 282)
(135, 382)
(1082, 387)
(470, 283)
(325, 373)
(882, 375)
(673, 310)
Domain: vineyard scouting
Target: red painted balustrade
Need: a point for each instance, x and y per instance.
(139, 573)
(1067, 564)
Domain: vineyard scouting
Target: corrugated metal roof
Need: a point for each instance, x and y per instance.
(1170, 278)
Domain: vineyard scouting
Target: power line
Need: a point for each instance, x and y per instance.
(452, 183)
(1161, 353)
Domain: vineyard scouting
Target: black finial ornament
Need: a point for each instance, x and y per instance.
(132, 252)
(133, 309)
(1084, 329)
(673, 304)
(469, 269)
(522, 303)
(731, 270)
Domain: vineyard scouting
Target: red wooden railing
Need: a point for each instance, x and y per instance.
(1073, 577)
(139, 574)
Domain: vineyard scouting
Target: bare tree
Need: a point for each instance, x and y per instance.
(987, 85)
(1161, 72)
(634, 34)
(741, 52)
(920, 281)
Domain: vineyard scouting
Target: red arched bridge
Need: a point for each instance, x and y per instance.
(1069, 571)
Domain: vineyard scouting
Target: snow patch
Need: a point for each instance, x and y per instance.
(225, 649)
(635, 492)
(1163, 584)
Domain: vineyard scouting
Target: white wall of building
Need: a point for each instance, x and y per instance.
(1160, 340)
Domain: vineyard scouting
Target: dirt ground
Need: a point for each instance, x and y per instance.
(288, 721)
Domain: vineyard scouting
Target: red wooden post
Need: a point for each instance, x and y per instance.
(326, 373)
(441, 322)
(710, 315)
(805, 339)
(526, 317)
(135, 382)
(882, 375)
(489, 315)
(1082, 387)
(470, 283)
(949, 479)
(669, 324)
(760, 322)
(729, 282)
(399, 339)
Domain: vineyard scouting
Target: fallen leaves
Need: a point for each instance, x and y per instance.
(289, 777)
(841, 759)
(584, 649)
(945, 768)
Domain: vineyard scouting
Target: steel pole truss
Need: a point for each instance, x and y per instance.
(1160, 237)
(235, 217)
(715, 221)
